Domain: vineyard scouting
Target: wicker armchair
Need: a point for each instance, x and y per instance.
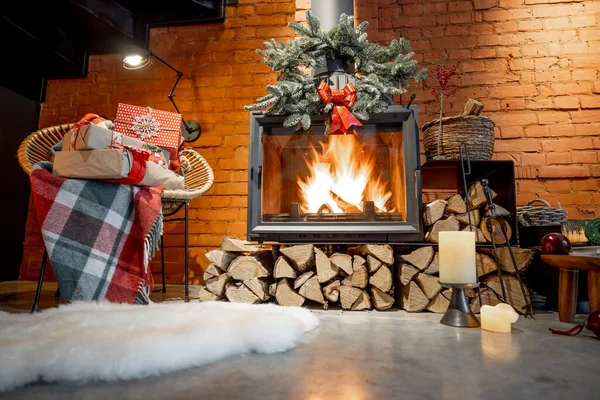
(199, 178)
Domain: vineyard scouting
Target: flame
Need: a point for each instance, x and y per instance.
(342, 170)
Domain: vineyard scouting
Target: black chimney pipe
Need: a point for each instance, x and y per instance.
(329, 11)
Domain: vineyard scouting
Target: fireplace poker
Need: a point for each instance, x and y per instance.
(492, 208)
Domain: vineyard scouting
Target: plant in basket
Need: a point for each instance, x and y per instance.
(444, 137)
(447, 89)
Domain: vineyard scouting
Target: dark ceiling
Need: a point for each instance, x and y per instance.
(53, 39)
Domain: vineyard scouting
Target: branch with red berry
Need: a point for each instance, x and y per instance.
(443, 76)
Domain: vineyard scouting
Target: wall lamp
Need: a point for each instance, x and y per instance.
(135, 58)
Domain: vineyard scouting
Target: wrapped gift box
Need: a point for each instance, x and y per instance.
(105, 164)
(158, 127)
(94, 137)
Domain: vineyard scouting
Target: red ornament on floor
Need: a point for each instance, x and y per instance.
(592, 323)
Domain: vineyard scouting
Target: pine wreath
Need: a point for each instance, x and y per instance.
(379, 71)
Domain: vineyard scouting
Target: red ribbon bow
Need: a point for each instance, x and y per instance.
(341, 118)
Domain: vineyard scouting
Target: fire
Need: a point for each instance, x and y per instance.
(341, 177)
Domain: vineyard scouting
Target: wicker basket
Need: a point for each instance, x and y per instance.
(530, 215)
(475, 130)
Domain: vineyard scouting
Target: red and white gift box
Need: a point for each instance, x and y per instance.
(162, 128)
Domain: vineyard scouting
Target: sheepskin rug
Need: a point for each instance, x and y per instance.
(83, 342)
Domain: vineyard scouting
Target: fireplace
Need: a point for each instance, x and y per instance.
(356, 188)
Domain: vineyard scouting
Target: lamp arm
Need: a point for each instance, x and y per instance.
(171, 95)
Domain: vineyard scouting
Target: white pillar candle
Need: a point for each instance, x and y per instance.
(498, 318)
(457, 257)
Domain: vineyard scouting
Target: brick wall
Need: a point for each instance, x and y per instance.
(534, 64)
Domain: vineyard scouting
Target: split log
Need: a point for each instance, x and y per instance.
(413, 298)
(496, 230)
(420, 258)
(212, 271)
(312, 290)
(237, 245)
(205, 295)
(485, 265)
(382, 252)
(283, 269)
(464, 218)
(430, 285)
(348, 296)
(326, 271)
(523, 257)
(479, 238)
(381, 300)
(332, 291)
(434, 266)
(448, 224)
(359, 278)
(472, 107)
(513, 291)
(434, 211)
(373, 264)
(303, 278)
(344, 205)
(286, 296)
(218, 284)
(324, 209)
(259, 287)
(302, 256)
(406, 273)
(500, 211)
(477, 195)
(238, 293)
(343, 262)
(357, 262)
(382, 279)
(440, 303)
(258, 265)
(272, 289)
(456, 204)
(488, 298)
(363, 302)
(221, 258)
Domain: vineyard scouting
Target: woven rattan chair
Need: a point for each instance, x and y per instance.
(199, 178)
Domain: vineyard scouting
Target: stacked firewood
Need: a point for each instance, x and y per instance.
(420, 289)
(359, 279)
(451, 215)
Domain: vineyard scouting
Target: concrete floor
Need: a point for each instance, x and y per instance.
(382, 355)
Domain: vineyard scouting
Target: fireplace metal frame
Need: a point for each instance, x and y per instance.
(410, 230)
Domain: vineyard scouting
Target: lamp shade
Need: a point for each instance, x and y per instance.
(134, 57)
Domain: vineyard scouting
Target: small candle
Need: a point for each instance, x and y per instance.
(457, 257)
(498, 318)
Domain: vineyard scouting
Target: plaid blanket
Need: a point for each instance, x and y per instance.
(99, 236)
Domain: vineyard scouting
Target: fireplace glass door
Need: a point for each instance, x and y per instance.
(309, 185)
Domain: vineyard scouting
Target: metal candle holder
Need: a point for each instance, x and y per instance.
(459, 311)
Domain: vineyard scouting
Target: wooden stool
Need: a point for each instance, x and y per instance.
(568, 279)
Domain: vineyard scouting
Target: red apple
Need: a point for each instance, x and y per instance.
(555, 243)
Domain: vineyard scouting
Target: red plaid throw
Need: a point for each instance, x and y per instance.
(99, 235)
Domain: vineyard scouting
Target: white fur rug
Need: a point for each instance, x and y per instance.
(84, 342)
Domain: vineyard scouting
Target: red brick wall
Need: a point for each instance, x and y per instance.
(535, 66)
(533, 63)
(222, 73)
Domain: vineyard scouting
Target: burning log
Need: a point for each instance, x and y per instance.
(344, 205)
(325, 209)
